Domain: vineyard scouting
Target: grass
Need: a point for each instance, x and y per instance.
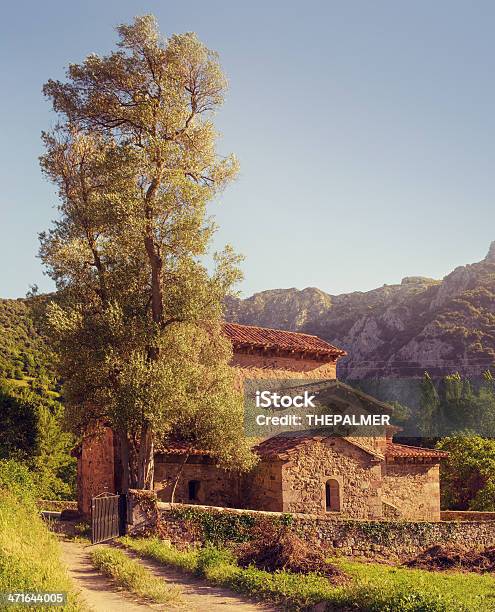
(29, 553)
(132, 576)
(219, 567)
(461, 590)
(371, 588)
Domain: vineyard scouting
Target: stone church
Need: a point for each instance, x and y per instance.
(365, 478)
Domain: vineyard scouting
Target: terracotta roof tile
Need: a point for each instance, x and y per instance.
(401, 450)
(263, 337)
(179, 448)
(284, 446)
(281, 447)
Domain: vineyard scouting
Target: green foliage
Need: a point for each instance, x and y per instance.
(29, 553)
(24, 353)
(31, 431)
(286, 519)
(18, 423)
(16, 478)
(468, 476)
(131, 575)
(383, 587)
(454, 404)
(218, 527)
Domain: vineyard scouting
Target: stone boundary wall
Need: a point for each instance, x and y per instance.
(56, 505)
(466, 515)
(386, 540)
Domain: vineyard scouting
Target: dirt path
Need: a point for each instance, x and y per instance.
(96, 590)
(200, 596)
(101, 596)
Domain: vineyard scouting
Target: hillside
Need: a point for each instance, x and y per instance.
(23, 351)
(395, 330)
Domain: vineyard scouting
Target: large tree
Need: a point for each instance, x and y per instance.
(137, 319)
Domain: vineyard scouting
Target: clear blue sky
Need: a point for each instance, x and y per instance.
(365, 132)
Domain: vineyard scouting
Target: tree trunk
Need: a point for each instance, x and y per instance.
(145, 459)
(154, 255)
(177, 478)
(125, 477)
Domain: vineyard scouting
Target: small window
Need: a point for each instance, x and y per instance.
(332, 496)
(193, 487)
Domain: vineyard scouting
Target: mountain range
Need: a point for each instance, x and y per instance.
(403, 330)
(392, 332)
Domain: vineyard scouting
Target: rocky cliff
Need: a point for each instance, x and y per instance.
(396, 330)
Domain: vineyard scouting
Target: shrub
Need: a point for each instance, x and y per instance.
(218, 527)
(31, 431)
(16, 478)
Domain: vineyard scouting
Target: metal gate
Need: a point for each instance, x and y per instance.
(108, 517)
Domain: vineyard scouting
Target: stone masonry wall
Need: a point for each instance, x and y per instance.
(414, 489)
(466, 515)
(275, 367)
(357, 473)
(262, 488)
(384, 540)
(216, 486)
(95, 468)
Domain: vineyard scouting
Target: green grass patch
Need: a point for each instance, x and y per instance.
(29, 553)
(160, 551)
(371, 587)
(454, 590)
(131, 575)
(219, 567)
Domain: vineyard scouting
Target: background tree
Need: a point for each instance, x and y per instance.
(455, 404)
(137, 323)
(430, 407)
(468, 476)
(31, 433)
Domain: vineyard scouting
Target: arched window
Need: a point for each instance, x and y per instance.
(332, 496)
(193, 488)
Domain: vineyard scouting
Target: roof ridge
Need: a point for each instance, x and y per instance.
(275, 329)
(423, 448)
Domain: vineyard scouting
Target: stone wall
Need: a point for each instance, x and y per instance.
(262, 366)
(262, 488)
(357, 473)
(414, 489)
(378, 540)
(466, 515)
(215, 486)
(95, 468)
